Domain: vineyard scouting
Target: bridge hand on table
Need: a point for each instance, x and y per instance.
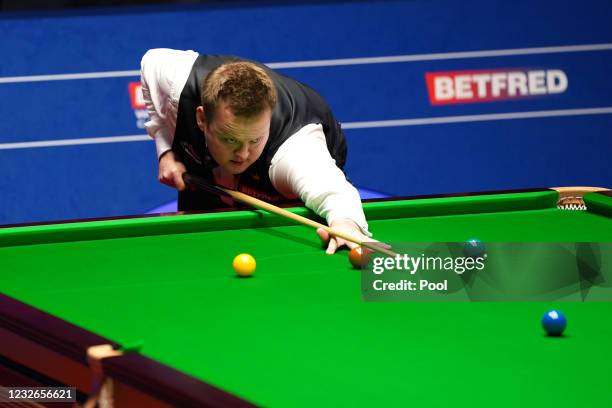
(342, 225)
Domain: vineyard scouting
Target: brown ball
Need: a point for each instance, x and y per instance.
(359, 257)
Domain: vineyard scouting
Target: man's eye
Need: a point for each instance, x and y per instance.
(230, 140)
(255, 141)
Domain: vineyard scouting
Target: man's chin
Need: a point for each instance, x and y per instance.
(236, 169)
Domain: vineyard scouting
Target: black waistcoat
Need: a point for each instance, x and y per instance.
(298, 105)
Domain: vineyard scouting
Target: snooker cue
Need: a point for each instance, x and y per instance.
(205, 185)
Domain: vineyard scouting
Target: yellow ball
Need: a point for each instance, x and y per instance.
(244, 265)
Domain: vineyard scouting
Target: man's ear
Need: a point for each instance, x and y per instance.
(201, 118)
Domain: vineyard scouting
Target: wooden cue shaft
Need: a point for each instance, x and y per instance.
(255, 202)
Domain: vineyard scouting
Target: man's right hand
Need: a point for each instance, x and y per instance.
(171, 171)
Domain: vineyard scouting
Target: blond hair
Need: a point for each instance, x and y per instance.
(247, 88)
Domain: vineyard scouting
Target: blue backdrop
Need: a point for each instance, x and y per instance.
(424, 157)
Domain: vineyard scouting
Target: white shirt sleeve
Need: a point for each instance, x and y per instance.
(303, 167)
(164, 73)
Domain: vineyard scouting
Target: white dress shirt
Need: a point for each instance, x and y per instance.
(302, 166)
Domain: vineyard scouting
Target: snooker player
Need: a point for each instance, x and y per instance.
(246, 127)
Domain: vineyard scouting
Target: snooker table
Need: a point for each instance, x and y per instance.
(297, 333)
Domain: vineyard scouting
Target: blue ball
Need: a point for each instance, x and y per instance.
(473, 248)
(554, 323)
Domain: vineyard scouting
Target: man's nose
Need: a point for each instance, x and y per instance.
(242, 152)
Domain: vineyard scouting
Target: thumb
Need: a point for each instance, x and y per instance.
(178, 181)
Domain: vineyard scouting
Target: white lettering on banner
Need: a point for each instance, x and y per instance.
(443, 88)
(556, 81)
(482, 86)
